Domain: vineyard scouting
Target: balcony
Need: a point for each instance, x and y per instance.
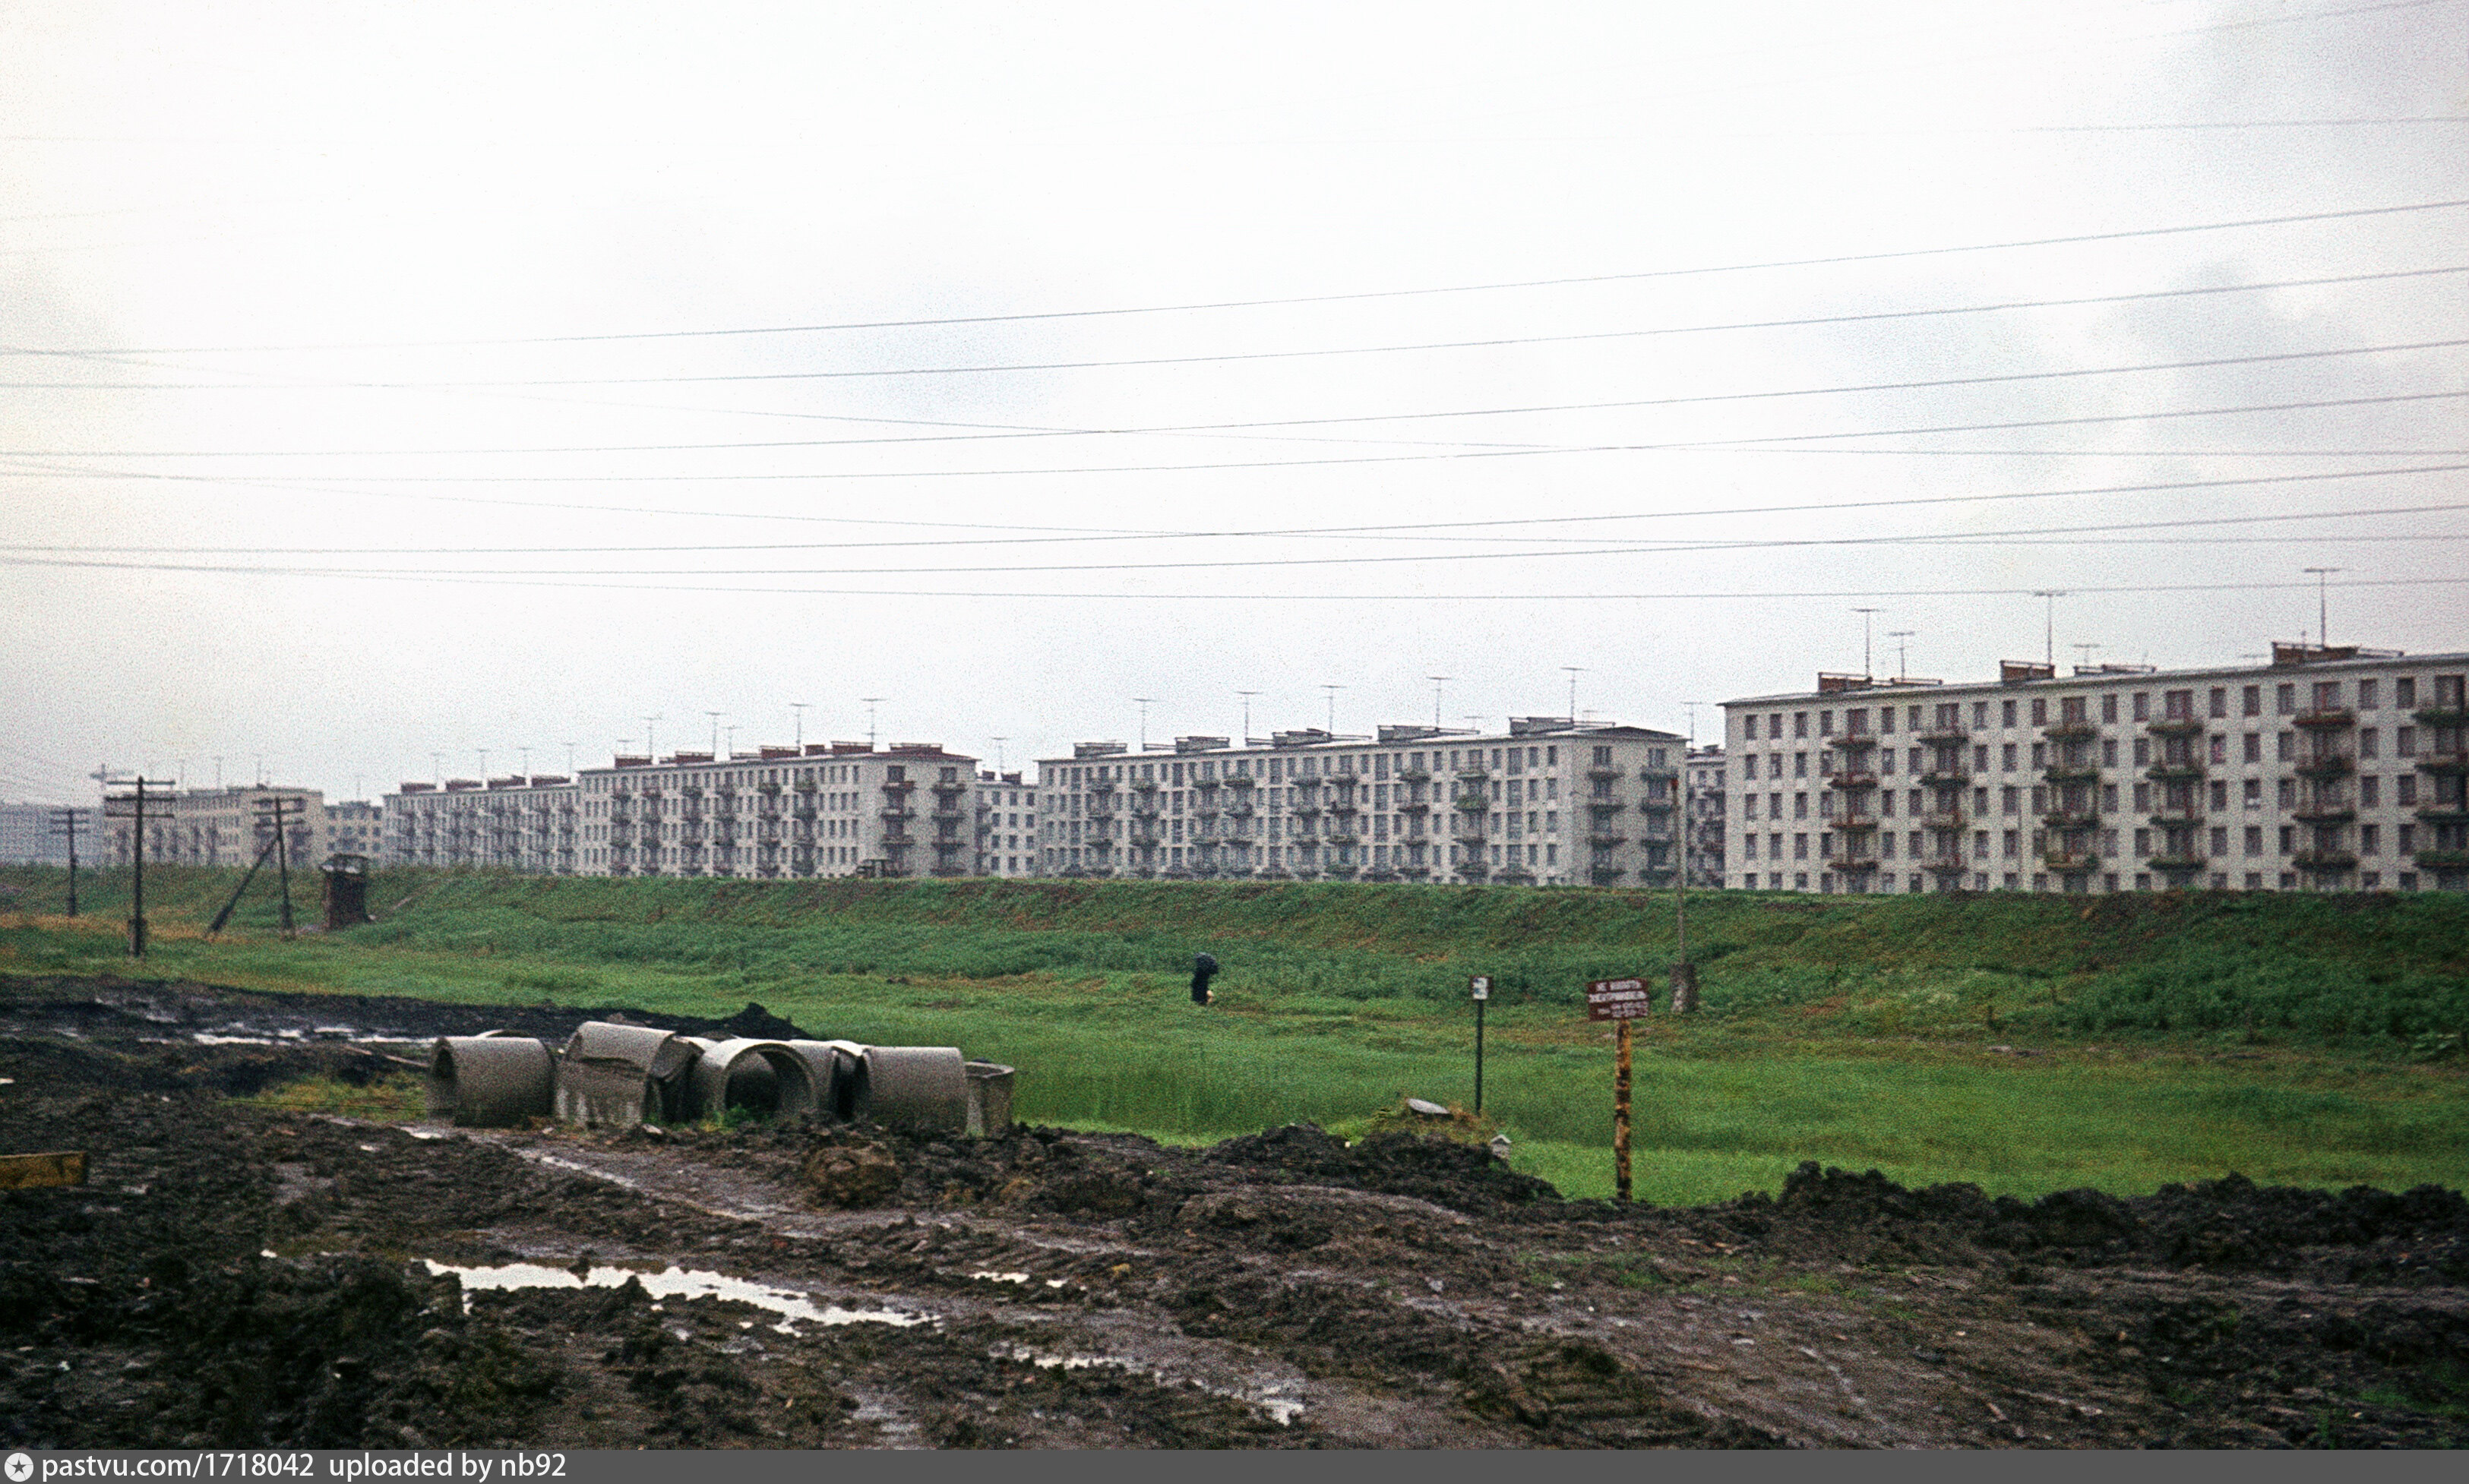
(805, 786)
(1472, 804)
(2068, 822)
(2177, 816)
(2440, 715)
(2179, 771)
(1146, 785)
(1946, 865)
(1100, 810)
(899, 787)
(2445, 862)
(1852, 823)
(2175, 726)
(2324, 862)
(2177, 865)
(1343, 806)
(2327, 717)
(1418, 807)
(2443, 813)
(895, 815)
(1305, 811)
(2071, 773)
(2324, 813)
(1949, 819)
(1850, 864)
(1605, 773)
(1414, 775)
(2071, 730)
(2444, 762)
(1605, 875)
(1854, 740)
(2070, 862)
(1662, 806)
(1607, 841)
(1238, 809)
(1943, 736)
(1474, 773)
(1945, 778)
(2329, 765)
(1851, 778)
(1239, 781)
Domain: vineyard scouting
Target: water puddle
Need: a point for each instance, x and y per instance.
(792, 1307)
(1271, 1400)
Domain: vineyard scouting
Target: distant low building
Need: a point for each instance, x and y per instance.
(28, 838)
(1006, 823)
(221, 827)
(1706, 817)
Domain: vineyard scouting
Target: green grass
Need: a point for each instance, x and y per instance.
(2190, 1035)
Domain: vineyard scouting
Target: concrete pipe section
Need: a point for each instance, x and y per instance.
(624, 1075)
(766, 1078)
(923, 1086)
(490, 1082)
(990, 1099)
(838, 1070)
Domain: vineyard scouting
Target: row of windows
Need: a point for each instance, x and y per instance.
(2444, 692)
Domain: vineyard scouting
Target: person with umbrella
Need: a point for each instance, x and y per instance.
(1202, 967)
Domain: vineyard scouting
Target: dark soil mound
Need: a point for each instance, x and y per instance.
(1462, 1177)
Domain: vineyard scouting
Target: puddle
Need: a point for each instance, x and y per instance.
(1271, 1400)
(791, 1305)
(1001, 1277)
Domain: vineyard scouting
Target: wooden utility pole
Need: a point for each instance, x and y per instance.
(1620, 1113)
(1619, 1000)
(281, 851)
(64, 822)
(136, 799)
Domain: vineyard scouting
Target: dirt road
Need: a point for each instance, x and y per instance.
(236, 1276)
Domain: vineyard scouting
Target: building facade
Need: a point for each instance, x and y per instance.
(825, 810)
(27, 837)
(222, 827)
(2326, 769)
(1007, 819)
(1548, 802)
(357, 827)
(1707, 820)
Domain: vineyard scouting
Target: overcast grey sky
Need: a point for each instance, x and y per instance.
(386, 382)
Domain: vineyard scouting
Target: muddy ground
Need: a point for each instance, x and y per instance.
(237, 1276)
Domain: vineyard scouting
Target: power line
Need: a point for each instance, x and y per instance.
(1273, 302)
(1624, 550)
(1478, 452)
(1499, 342)
(1382, 534)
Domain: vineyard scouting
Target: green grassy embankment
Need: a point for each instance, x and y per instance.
(2282, 1037)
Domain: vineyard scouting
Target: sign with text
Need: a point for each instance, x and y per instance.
(1618, 999)
(1480, 986)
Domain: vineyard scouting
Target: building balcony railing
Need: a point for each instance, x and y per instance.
(1859, 863)
(1343, 806)
(1948, 819)
(1417, 807)
(2177, 772)
(2175, 726)
(1851, 824)
(1305, 811)
(2444, 762)
(2070, 862)
(1607, 841)
(1854, 740)
(1100, 811)
(1414, 775)
(2445, 862)
(1241, 781)
(1851, 778)
(1472, 804)
(2324, 814)
(1238, 809)
(2327, 717)
(2177, 816)
(2330, 765)
(894, 814)
(2068, 822)
(899, 786)
(2443, 813)
(1476, 773)
(2071, 773)
(2071, 731)
(1945, 778)
(1946, 865)
(2324, 861)
(2177, 864)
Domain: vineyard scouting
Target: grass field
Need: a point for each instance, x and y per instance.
(2292, 1038)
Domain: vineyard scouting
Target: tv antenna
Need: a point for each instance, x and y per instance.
(1575, 670)
(871, 701)
(2322, 607)
(1903, 655)
(1867, 616)
(2049, 634)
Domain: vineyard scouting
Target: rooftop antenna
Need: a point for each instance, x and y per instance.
(1903, 653)
(1332, 688)
(2049, 636)
(871, 701)
(484, 762)
(715, 731)
(998, 753)
(731, 733)
(651, 748)
(798, 709)
(1477, 722)
(1247, 715)
(526, 755)
(1866, 618)
(261, 769)
(569, 759)
(218, 773)
(2323, 608)
(2083, 653)
(359, 787)
(436, 768)
(1145, 702)
(1437, 681)
(1575, 670)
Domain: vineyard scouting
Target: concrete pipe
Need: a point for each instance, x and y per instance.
(767, 1078)
(838, 1070)
(925, 1087)
(623, 1075)
(990, 1099)
(490, 1081)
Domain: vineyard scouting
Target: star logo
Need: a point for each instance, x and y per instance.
(21, 1468)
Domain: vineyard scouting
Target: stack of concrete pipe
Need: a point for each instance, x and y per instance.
(618, 1074)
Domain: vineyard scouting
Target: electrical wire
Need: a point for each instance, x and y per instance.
(1194, 307)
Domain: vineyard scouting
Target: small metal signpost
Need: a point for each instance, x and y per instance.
(1621, 1002)
(1480, 987)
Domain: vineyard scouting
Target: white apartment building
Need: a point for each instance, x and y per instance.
(828, 808)
(2327, 769)
(27, 837)
(355, 828)
(1006, 816)
(1705, 807)
(516, 823)
(221, 827)
(1549, 801)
